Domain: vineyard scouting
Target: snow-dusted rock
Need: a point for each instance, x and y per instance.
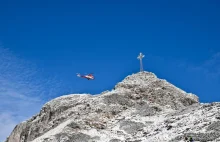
(140, 108)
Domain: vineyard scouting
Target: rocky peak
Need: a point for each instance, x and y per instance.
(139, 78)
(145, 85)
(138, 104)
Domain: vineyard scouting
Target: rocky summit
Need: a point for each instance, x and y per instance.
(140, 108)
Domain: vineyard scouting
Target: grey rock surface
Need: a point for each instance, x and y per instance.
(140, 108)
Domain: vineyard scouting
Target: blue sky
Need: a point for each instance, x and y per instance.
(45, 43)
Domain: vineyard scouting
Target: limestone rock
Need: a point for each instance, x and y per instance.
(141, 107)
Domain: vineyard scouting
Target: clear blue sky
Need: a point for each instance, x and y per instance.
(181, 41)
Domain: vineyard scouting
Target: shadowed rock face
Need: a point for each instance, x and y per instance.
(146, 110)
(215, 126)
(140, 108)
(201, 137)
(115, 140)
(80, 137)
(131, 127)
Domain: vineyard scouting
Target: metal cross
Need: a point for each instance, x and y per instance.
(140, 57)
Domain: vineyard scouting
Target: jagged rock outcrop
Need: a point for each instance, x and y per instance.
(140, 108)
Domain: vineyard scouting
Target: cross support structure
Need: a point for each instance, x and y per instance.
(140, 57)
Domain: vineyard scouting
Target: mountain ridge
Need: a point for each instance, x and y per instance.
(141, 107)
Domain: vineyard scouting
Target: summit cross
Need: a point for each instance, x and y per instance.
(140, 57)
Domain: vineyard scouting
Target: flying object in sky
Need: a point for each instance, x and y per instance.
(88, 76)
